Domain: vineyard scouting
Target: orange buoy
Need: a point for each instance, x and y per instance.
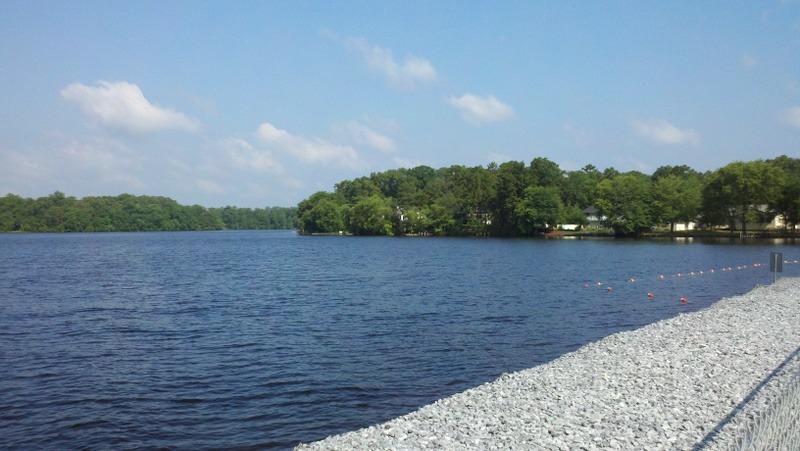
(608, 289)
(684, 300)
(650, 295)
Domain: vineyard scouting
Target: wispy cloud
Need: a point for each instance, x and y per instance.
(121, 105)
(245, 156)
(791, 116)
(662, 132)
(309, 150)
(93, 165)
(477, 110)
(370, 138)
(412, 71)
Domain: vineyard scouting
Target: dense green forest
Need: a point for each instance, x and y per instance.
(515, 199)
(60, 213)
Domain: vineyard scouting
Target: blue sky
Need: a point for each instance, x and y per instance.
(262, 103)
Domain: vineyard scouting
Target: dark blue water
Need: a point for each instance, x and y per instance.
(265, 339)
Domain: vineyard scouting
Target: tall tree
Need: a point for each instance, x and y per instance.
(474, 188)
(681, 171)
(626, 201)
(545, 173)
(373, 215)
(677, 199)
(580, 187)
(788, 201)
(354, 190)
(322, 212)
(512, 179)
(539, 208)
(741, 189)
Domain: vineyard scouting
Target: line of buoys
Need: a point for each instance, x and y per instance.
(683, 300)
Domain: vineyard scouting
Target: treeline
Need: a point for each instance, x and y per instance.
(126, 213)
(513, 199)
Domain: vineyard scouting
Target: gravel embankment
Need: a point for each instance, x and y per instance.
(669, 385)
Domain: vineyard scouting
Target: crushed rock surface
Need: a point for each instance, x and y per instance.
(673, 384)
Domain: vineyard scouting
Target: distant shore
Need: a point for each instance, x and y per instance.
(691, 380)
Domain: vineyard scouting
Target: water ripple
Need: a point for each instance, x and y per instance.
(258, 340)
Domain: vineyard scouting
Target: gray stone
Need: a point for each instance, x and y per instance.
(663, 386)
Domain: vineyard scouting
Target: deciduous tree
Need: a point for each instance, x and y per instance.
(626, 200)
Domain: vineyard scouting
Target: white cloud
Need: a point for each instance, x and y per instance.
(92, 166)
(243, 155)
(662, 132)
(791, 116)
(477, 110)
(368, 137)
(122, 105)
(413, 70)
(310, 150)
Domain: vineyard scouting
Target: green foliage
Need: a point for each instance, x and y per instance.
(371, 215)
(321, 213)
(353, 190)
(579, 188)
(539, 208)
(509, 199)
(545, 173)
(682, 172)
(788, 201)
(677, 198)
(739, 189)
(512, 199)
(626, 200)
(269, 218)
(573, 214)
(128, 213)
(442, 215)
(512, 179)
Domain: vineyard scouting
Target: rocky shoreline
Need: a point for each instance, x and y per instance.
(693, 381)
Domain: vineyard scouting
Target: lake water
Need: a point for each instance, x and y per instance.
(265, 339)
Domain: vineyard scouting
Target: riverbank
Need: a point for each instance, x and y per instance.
(669, 385)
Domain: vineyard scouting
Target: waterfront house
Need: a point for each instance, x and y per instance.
(593, 217)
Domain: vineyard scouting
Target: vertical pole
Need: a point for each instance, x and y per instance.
(774, 266)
